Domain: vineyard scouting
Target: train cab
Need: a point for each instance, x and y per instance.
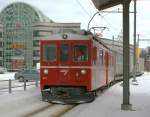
(68, 71)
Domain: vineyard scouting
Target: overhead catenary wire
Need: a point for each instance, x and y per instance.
(107, 12)
(108, 23)
(102, 16)
(85, 11)
(91, 3)
(83, 8)
(94, 14)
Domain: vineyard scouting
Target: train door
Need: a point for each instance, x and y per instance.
(110, 69)
(106, 66)
(64, 62)
(64, 59)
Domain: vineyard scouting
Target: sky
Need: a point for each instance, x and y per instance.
(81, 11)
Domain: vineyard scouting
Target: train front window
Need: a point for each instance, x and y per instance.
(49, 53)
(80, 53)
(64, 52)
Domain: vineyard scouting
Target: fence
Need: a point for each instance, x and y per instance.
(11, 86)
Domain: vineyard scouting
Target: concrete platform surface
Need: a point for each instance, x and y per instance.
(109, 103)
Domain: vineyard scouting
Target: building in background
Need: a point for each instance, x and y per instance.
(22, 27)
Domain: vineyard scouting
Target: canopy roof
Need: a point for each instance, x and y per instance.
(104, 4)
(23, 9)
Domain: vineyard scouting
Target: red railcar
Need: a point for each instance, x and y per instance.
(73, 67)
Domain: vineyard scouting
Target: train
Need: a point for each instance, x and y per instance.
(73, 66)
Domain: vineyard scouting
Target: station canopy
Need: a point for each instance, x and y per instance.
(104, 4)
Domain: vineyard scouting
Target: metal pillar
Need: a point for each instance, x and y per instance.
(36, 83)
(113, 39)
(126, 94)
(25, 85)
(135, 60)
(10, 90)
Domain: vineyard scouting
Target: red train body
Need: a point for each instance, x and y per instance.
(73, 66)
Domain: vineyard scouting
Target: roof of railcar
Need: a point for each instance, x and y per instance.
(70, 36)
(74, 36)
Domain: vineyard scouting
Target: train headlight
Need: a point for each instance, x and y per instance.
(45, 71)
(83, 71)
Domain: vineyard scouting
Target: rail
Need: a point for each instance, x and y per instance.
(21, 84)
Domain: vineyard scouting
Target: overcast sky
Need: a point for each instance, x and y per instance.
(82, 10)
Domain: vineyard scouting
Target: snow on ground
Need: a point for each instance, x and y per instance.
(109, 103)
(19, 104)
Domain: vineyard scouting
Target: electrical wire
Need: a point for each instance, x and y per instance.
(108, 23)
(103, 17)
(91, 3)
(83, 8)
(85, 11)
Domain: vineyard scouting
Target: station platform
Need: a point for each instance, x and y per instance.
(108, 104)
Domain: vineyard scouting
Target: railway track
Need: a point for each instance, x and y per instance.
(51, 110)
(56, 110)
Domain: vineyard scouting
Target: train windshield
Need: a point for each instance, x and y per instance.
(80, 53)
(64, 52)
(49, 53)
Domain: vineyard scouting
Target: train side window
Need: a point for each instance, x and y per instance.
(110, 60)
(64, 52)
(49, 52)
(80, 53)
(101, 56)
(95, 54)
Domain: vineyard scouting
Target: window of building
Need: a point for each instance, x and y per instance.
(36, 33)
(36, 43)
(1, 62)
(36, 53)
(1, 53)
(1, 44)
(1, 34)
